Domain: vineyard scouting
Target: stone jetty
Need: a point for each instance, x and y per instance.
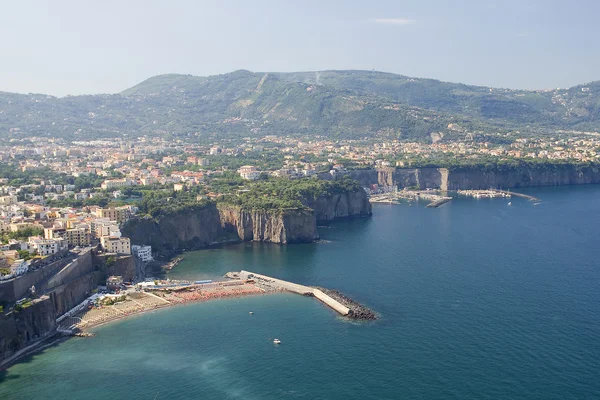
(333, 299)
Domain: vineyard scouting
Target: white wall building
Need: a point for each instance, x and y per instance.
(144, 253)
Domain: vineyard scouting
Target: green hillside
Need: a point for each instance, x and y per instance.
(571, 108)
(337, 104)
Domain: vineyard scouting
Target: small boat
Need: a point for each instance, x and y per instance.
(276, 341)
(510, 203)
(250, 313)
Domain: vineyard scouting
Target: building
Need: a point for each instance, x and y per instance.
(249, 172)
(119, 214)
(54, 233)
(77, 237)
(114, 283)
(144, 253)
(8, 200)
(113, 244)
(104, 227)
(203, 162)
(109, 184)
(46, 247)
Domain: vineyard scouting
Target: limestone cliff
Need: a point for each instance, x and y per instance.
(275, 226)
(196, 229)
(175, 232)
(340, 205)
(19, 329)
(480, 178)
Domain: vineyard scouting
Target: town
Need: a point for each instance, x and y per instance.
(56, 195)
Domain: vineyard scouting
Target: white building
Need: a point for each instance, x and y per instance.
(249, 172)
(46, 247)
(116, 183)
(144, 253)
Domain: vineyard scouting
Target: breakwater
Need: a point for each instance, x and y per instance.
(357, 310)
(521, 195)
(333, 299)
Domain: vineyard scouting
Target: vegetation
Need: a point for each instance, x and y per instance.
(110, 261)
(22, 234)
(285, 193)
(161, 203)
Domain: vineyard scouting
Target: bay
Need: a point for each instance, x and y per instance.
(477, 299)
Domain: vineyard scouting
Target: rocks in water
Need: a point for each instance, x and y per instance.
(357, 310)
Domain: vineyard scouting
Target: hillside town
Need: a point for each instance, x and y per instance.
(32, 232)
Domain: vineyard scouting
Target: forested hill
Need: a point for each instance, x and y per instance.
(337, 104)
(573, 108)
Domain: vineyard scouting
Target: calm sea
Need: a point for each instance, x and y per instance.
(478, 300)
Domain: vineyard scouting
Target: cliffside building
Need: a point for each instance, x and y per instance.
(144, 253)
(113, 244)
(119, 214)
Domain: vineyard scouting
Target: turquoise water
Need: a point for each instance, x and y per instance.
(478, 300)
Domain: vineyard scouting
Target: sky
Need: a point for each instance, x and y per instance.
(63, 47)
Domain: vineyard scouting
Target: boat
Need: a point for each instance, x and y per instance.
(510, 203)
(276, 341)
(250, 313)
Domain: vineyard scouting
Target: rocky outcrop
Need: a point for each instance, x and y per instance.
(175, 232)
(275, 226)
(340, 205)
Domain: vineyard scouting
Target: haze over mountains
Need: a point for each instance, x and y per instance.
(345, 104)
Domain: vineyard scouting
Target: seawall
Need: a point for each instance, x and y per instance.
(296, 288)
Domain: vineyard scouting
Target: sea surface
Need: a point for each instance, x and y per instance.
(478, 300)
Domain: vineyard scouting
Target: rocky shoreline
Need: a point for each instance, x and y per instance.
(357, 310)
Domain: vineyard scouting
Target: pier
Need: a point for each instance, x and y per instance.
(268, 283)
(521, 195)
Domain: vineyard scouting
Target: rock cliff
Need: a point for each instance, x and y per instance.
(340, 205)
(196, 229)
(172, 233)
(19, 329)
(480, 178)
(276, 226)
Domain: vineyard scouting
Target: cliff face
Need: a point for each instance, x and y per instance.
(172, 233)
(478, 178)
(522, 177)
(191, 230)
(286, 226)
(340, 205)
(23, 328)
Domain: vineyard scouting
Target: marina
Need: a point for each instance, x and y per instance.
(434, 197)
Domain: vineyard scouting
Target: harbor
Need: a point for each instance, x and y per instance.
(434, 197)
(495, 193)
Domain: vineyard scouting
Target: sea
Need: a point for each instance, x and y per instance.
(477, 299)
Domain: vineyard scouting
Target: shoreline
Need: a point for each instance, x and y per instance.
(87, 328)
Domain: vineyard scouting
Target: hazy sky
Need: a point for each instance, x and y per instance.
(89, 46)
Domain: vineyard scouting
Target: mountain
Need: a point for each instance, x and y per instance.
(574, 108)
(338, 104)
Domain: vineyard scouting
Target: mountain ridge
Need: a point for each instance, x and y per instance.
(337, 104)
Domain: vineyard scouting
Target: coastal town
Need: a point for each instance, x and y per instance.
(56, 195)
